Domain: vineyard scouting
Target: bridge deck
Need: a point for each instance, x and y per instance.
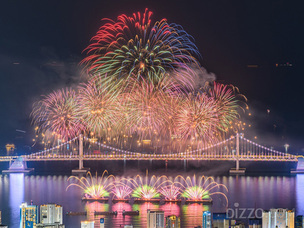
(163, 157)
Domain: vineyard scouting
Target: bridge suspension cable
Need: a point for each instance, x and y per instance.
(234, 148)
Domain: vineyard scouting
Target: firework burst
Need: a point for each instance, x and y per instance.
(58, 113)
(143, 86)
(134, 47)
(147, 112)
(98, 108)
(226, 104)
(196, 118)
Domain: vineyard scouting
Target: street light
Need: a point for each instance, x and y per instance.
(286, 147)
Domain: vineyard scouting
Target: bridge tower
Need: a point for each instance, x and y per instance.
(237, 169)
(80, 152)
(81, 169)
(237, 149)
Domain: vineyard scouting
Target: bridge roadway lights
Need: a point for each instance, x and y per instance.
(297, 171)
(80, 171)
(240, 171)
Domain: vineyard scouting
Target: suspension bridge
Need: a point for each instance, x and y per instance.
(236, 148)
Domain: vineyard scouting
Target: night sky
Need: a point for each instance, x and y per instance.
(41, 45)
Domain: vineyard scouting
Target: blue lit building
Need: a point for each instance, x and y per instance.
(28, 216)
(300, 221)
(255, 223)
(207, 221)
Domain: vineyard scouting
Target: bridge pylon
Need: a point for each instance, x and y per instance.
(237, 169)
(81, 169)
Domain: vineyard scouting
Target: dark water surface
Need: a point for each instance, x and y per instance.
(247, 191)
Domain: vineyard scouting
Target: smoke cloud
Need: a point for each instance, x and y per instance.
(202, 78)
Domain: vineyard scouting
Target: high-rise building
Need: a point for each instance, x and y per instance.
(2, 226)
(255, 223)
(155, 219)
(207, 221)
(220, 220)
(238, 225)
(172, 222)
(278, 218)
(28, 216)
(51, 214)
(87, 224)
(290, 223)
(266, 219)
(300, 221)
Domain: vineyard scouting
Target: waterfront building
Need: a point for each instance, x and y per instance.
(28, 216)
(207, 221)
(300, 221)
(51, 214)
(255, 223)
(220, 220)
(3, 226)
(50, 226)
(101, 222)
(10, 148)
(238, 225)
(173, 222)
(278, 218)
(155, 219)
(266, 219)
(87, 224)
(290, 219)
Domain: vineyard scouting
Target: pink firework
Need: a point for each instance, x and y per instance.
(146, 109)
(227, 104)
(196, 118)
(58, 113)
(98, 108)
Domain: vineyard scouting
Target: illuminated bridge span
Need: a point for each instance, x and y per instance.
(236, 148)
